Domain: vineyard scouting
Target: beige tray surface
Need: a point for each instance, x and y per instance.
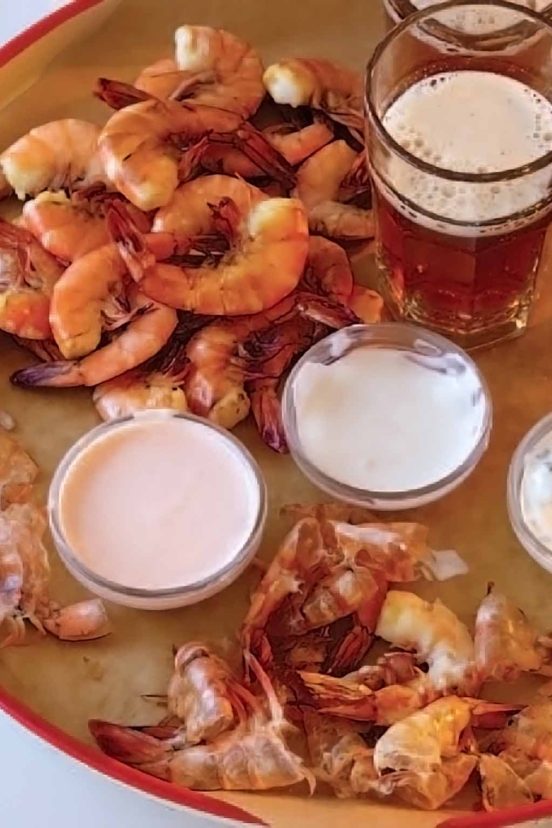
(68, 683)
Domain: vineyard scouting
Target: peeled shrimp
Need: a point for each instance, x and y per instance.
(156, 383)
(253, 756)
(56, 155)
(420, 758)
(71, 227)
(211, 66)
(506, 645)
(268, 249)
(437, 637)
(319, 180)
(28, 274)
(321, 84)
(141, 147)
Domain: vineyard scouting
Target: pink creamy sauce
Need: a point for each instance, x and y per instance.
(156, 505)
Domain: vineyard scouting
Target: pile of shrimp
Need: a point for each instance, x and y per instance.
(185, 254)
(24, 567)
(306, 701)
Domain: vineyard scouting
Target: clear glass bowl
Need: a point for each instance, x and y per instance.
(154, 599)
(530, 542)
(396, 336)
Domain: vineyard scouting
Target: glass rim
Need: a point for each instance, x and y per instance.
(374, 498)
(441, 172)
(67, 553)
(530, 542)
(413, 9)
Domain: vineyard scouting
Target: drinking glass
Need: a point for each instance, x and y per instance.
(396, 11)
(458, 248)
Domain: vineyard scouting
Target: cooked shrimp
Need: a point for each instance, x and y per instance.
(140, 147)
(150, 328)
(204, 694)
(83, 621)
(326, 571)
(294, 145)
(156, 383)
(22, 527)
(328, 271)
(319, 180)
(339, 755)
(506, 645)
(269, 246)
(352, 697)
(420, 758)
(53, 156)
(211, 66)
(530, 732)
(18, 472)
(93, 294)
(501, 786)
(28, 274)
(296, 336)
(366, 304)
(71, 227)
(253, 756)
(437, 637)
(229, 352)
(321, 84)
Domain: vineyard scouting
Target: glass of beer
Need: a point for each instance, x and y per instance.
(398, 10)
(459, 138)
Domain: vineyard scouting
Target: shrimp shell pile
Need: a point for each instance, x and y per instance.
(179, 256)
(24, 567)
(308, 704)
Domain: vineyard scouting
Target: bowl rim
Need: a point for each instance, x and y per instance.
(220, 579)
(530, 542)
(382, 334)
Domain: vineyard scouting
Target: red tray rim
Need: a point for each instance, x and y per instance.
(93, 758)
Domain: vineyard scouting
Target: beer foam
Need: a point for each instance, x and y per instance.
(469, 122)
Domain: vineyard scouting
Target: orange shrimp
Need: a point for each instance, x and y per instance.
(28, 274)
(269, 246)
(145, 147)
(52, 156)
(69, 227)
(321, 84)
(211, 66)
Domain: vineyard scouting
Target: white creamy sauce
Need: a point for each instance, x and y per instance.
(536, 491)
(158, 504)
(469, 122)
(389, 421)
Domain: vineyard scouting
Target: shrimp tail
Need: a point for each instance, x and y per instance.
(132, 747)
(60, 374)
(260, 151)
(130, 241)
(118, 94)
(325, 311)
(84, 621)
(266, 410)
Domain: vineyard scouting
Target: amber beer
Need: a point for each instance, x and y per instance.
(462, 181)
